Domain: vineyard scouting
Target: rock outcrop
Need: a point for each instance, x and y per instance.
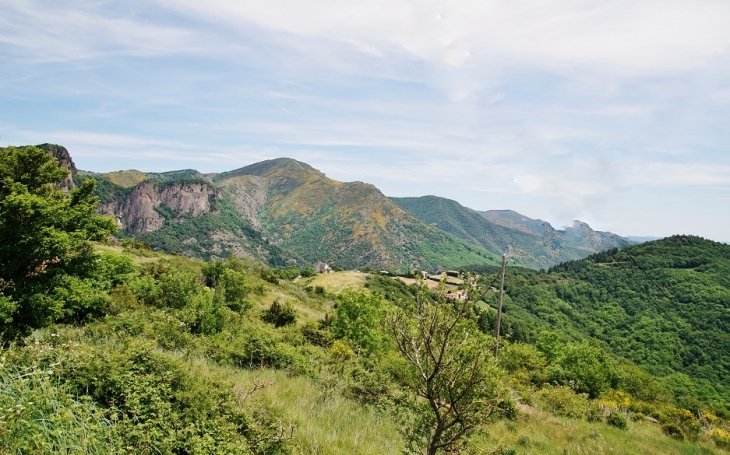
(64, 158)
(149, 205)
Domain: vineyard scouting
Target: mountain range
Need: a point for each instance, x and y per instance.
(285, 212)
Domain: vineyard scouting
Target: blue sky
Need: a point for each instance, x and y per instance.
(616, 113)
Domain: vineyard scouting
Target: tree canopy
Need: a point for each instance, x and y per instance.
(46, 251)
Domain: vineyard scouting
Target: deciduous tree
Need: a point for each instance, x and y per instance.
(449, 368)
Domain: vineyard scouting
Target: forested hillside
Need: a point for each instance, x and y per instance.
(665, 305)
(285, 212)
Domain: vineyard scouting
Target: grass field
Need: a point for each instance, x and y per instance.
(431, 284)
(336, 282)
(326, 423)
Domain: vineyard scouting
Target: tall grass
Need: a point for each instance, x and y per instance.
(37, 416)
(538, 433)
(326, 423)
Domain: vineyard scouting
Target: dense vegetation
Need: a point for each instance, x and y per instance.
(144, 353)
(663, 305)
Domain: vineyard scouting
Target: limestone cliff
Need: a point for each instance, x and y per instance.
(148, 206)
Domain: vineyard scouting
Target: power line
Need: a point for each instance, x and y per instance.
(662, 290)
(651, 299)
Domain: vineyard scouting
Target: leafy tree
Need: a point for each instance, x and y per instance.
(308, 272)
(587, 368)
(359, 318)
(45, 253)
(450, 370)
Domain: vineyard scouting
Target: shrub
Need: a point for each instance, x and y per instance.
(506, 409)
(720, 437)
(358, 319)
(280, 314)
(204, 313)
(235, 288)
(340, 350)
(673, 431)
(616, 419)
(586, 368)
(315, 335)
(562, 401)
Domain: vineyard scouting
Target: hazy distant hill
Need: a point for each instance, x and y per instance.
(529, 242)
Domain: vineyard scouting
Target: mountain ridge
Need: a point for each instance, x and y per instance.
(285, 211)
(528, 242)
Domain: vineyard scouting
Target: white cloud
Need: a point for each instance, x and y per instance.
(620, 37)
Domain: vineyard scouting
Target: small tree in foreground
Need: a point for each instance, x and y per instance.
(450, 370)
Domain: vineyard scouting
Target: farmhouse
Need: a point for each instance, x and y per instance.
(458, 295)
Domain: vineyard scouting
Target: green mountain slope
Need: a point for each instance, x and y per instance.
(350, 224)
(664, 304)
(279, 211)
(529, 243)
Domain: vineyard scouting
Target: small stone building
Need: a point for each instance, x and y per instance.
(458, 295)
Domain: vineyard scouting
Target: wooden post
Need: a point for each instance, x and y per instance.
(499, 308)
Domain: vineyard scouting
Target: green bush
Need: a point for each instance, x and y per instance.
(616, 419)
(280, 314)
(315, 335)
(236, 288)
(673, 431)
(204, 313)
(358, 318)
(563, 401)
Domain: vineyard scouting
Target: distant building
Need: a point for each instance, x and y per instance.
(458, 295)
(454, 273)
(321, 267)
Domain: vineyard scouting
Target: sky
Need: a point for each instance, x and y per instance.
(616, 112)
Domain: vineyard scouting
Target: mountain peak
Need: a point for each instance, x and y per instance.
(271, 168)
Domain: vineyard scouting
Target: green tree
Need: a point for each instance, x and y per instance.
(450, 369)
(46, 235)
(586, 368)
(358, 318)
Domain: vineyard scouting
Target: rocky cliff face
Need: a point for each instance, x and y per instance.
(64, 158)
(148, 206)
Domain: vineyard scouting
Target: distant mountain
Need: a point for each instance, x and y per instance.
(641, 239)
(528, 242)
(283, 211)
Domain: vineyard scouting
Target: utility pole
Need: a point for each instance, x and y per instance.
(499, 308)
